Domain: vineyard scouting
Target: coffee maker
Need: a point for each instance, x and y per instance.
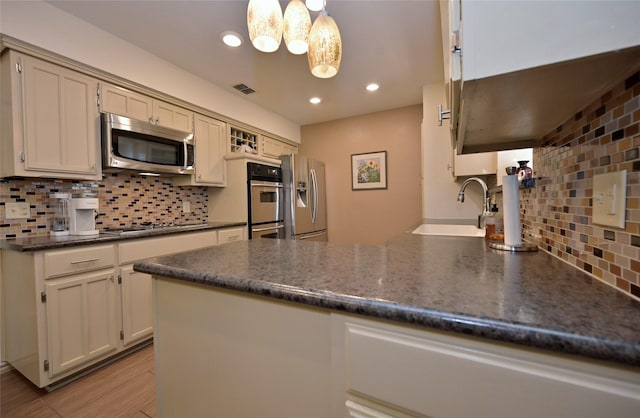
(83, 216)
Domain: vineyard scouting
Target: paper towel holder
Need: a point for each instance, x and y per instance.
(522, 248)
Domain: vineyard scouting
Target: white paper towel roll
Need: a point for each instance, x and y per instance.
(511, 202)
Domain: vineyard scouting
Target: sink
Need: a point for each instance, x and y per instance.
(449, 230)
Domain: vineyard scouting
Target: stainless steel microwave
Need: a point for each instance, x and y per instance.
(139, 145)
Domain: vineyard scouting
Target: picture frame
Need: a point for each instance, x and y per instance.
(369, 171)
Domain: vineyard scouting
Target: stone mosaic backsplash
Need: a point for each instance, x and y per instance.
(557, 214)
(124, 199)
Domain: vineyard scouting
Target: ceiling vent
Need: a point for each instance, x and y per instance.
(244, 88)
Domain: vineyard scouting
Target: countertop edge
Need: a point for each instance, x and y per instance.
(554, 342)
(24, 245)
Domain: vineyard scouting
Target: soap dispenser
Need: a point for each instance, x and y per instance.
(490, 224)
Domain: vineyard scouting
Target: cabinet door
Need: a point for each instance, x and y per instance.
(230, 235)
(210, 150)
(124, 102)
(171, 116)
(60, 120)
(271, 147)
(81, 319)
(137, 305)
(475, 164)
(289, 149)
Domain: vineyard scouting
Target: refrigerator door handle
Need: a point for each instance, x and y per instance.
(314, 185)
(311, 235)
(269, 228)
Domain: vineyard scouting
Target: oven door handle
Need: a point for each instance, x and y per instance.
(269, 228)
(274, 185)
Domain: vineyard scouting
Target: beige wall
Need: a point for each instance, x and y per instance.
(369, 216)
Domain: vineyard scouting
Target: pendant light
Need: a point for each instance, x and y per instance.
(325, 47)
(264, 20)
(297, 24)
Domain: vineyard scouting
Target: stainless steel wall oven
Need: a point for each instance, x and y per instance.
(265, 193)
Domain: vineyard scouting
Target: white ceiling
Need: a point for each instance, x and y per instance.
(394, 43)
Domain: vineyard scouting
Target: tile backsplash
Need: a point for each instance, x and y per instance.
(124, 199)
(557, 214)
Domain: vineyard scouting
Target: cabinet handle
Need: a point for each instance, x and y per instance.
(22, 157)
(151, 119)
(158, 120)
(88, 260)
(443, 114)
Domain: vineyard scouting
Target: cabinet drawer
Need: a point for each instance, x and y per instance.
(441, 376)
(159, 246)
(76, 260)
(230, 235)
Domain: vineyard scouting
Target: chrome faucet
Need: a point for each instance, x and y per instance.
(485, 195)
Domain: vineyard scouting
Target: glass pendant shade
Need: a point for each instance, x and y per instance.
(297, 24)
(325, 47)
(264, 21)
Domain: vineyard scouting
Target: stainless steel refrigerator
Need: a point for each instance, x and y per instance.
(305, 210)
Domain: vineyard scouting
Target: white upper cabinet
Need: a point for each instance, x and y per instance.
(50, 120)
(482, 163)
(273, 148)
(123, 102)
(134, 105)
(172, 116)
(526, 66)
(210, 149)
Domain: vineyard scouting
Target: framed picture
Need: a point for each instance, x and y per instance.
(369, 171)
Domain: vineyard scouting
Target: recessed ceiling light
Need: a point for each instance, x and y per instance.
(315, 100)
(373, 86)
(231, 38)
(314, 5)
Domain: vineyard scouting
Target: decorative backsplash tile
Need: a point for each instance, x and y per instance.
(557, 214)
(124, 199)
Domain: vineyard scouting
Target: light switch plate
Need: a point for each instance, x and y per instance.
(17, 210)
(186, 206)
(610, 199)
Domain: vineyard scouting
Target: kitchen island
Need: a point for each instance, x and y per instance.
(318, 329)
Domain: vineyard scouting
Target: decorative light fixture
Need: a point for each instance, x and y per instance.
(297, 24)
(325, 47)
(315, 100)
(321, 42)
(264, 20)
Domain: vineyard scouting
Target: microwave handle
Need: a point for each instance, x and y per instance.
(186, 155)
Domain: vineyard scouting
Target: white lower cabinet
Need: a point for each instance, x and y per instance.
(231, 235)
(81, 319)
(135, 287)
(387, 370)
(137, 305)
(244, 355)
(67, 309)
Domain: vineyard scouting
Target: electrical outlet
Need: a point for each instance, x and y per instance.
(610, 198)
(186, 206)
(17, 210)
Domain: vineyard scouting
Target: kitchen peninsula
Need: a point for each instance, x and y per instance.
(419, 325)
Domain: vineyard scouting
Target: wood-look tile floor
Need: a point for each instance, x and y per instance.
(125, 388)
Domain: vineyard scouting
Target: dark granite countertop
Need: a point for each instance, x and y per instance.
(454, 284)
(48, 242)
